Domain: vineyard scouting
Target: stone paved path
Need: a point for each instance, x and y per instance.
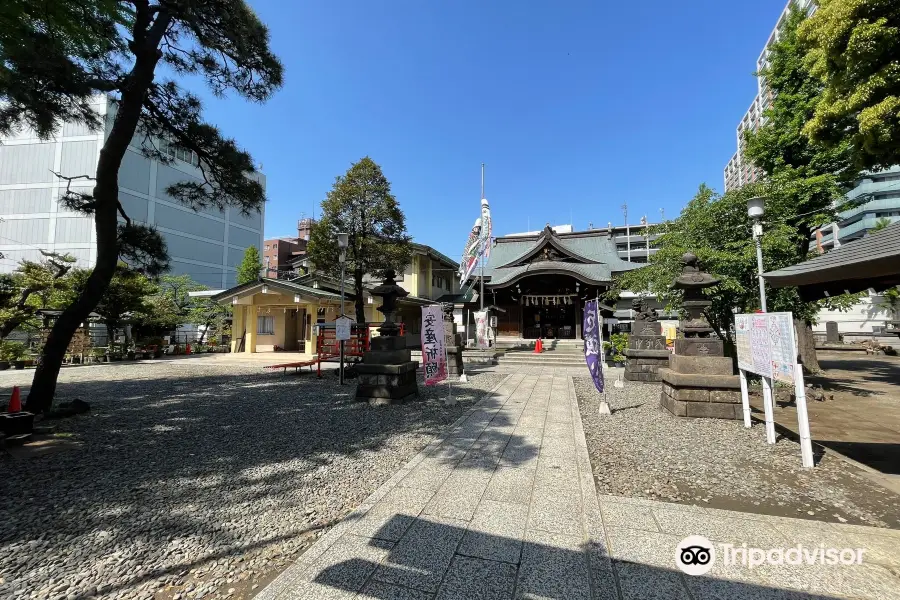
(505, 507)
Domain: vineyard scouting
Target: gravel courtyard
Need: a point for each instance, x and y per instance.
(642, 451)
(196, 478)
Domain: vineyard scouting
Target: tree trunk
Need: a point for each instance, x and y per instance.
(110, 337)
(106, 199)
(806, 347)
(358, 291)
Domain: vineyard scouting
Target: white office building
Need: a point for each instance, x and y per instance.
(207, 244)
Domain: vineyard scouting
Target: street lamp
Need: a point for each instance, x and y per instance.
(756, 207)
(342, 239)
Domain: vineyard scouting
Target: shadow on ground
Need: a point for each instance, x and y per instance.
(181, 467)
(455, 563)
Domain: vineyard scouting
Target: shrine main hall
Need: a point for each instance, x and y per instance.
(537, 284)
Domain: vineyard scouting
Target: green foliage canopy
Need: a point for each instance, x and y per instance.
(250, 267)
(853, 47)
(361, 204)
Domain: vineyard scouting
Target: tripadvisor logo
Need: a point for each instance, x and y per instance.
(695, 555)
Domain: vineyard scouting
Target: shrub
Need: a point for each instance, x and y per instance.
(12, 351)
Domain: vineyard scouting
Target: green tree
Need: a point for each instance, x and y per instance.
(32, 286)
(171, 304)
(124, 301)
(115, 48)
(880, 224)
(250, 267)
(361, 205)
(853, 47)
(717, 229)
(806, 180)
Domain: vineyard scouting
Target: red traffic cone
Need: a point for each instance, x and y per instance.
(15, 402)
(538, 346)
(188, 349)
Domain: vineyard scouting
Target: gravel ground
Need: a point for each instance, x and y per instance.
(193, 479)
(643, 451)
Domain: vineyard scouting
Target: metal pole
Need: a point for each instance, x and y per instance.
(647, 233)
(627, 233)
(757, 239)
(342, 314)
(481, 258)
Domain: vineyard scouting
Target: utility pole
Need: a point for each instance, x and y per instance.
(627, 232)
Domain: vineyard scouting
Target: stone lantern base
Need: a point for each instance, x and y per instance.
(701, 386)
(386, 374)
(646, 352)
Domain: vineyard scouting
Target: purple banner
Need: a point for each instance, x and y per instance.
(592, 338)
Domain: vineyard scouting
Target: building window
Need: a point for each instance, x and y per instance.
(267, 247)
(265, 325)
(177, 152)
(274, 246)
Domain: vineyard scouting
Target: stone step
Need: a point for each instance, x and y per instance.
(542, 361)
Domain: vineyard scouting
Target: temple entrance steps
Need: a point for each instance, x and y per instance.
(512, 344)
(558, 353)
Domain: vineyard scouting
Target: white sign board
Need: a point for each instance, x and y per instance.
(342, 329)
(766, 346)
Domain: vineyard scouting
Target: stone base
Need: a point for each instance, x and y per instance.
(644, 365)
(455, 360)
(386, 384)
(695, 395)
(699, 347)
(16, 424)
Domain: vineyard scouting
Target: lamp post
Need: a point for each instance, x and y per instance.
(755, 210)
(342, 258)
(756, 207)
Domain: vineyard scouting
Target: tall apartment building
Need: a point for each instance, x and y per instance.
(207, 244)
(739, 171)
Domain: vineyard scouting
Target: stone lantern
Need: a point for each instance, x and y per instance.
(386, 373)
(699, 381)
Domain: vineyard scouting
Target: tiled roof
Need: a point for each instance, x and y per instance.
(872, 261)
(594, 257)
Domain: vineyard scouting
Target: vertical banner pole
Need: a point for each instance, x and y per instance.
(604, 405)
(806, 453)
(745, 398)
(769, 408)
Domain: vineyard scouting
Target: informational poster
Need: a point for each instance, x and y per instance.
(434, 353)
(481, 329)
(784, 350)
(342, 328)
(765, 344)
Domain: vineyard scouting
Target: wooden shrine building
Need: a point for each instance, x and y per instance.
(539, 283)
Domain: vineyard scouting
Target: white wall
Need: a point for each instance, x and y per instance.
(203, 244)
(861, 317)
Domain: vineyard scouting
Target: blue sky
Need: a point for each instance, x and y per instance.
(574, 106)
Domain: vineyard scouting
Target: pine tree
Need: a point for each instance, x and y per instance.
(361, 205)
(56, 57)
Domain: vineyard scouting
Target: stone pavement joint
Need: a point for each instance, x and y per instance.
(505, 506)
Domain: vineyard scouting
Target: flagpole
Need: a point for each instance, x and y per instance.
(481, 258)
(604, 404)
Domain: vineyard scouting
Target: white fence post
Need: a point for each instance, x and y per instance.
(770, 409)
(745, 397)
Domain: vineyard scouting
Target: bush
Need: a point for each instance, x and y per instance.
(12, 351)
(617, 344)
